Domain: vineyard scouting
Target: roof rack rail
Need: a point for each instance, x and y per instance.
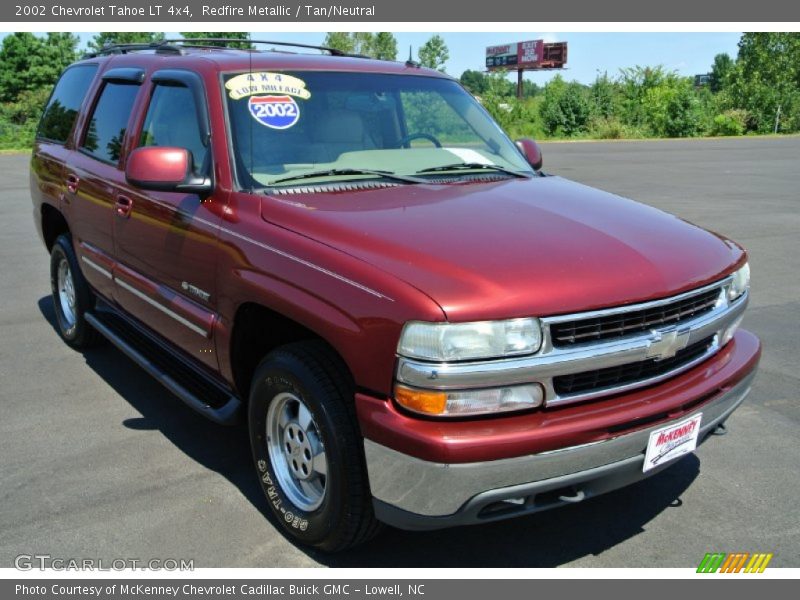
(158, 47)
(213, 43)
(168, 46)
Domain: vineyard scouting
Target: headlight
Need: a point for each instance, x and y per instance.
(740, 283)
(470, 341)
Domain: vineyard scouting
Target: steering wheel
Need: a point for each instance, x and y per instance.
(406, 139)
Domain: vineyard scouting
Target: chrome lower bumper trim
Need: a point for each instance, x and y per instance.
(430, 489)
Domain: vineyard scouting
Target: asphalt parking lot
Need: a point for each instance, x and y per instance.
(98, 460)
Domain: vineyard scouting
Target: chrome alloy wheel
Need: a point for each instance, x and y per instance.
(296, 451)
(66, 294)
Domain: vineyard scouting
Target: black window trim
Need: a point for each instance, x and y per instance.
(42, 138)
(124, 75)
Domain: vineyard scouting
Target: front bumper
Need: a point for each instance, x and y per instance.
(414, 493)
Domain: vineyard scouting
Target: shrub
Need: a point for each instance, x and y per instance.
(565, 108)
(607, 129)
(672, 108)
(730, 122)
(19, 119)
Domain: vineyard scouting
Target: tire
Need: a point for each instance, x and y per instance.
(302, 424)
(71, 296)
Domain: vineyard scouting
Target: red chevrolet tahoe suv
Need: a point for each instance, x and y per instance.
(420, 327)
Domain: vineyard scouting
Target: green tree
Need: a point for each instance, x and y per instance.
(340, 40)
(18, 119)
(720, 72)
(212, 35)
(60, 49)
(602, 95)
(565, 107)
(29, 63)
(634, 84)
(434, 53)
(474, 81)
(659, 102)
(362, 42)
(766, 80)
(497, 84)
(530, 89)
(359, 42)
(383, 46)
(107, 38)
(672, 109)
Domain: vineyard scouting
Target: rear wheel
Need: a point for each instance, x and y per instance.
(72, 297)
(307, 447)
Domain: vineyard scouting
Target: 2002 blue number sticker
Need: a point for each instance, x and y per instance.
(277, 112)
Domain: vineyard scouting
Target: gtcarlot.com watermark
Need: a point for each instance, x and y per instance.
(42, 562)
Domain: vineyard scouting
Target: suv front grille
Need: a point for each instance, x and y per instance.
(636, 321)
(622, 375)
(600, 353)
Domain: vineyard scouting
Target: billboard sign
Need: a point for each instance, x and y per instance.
(520, 55)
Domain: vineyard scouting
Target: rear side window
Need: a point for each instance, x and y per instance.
(109, 121)
(172, 120)
(65, 102)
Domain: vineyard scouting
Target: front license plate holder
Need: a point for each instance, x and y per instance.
(670, 442)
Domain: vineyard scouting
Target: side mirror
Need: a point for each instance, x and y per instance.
(531, 151)
(164, 169)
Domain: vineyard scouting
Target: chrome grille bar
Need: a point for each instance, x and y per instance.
(617, 325)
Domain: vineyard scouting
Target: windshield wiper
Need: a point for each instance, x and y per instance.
(335, 172)
(474, 165)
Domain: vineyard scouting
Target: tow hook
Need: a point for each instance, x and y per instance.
(576, 497)
(720, 429)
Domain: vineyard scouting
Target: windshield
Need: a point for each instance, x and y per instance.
(308, 127)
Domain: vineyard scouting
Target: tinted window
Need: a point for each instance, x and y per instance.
(172, 121)
(62, 109)
(106, 130)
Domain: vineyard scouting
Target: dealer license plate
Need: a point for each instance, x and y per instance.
(668, 443)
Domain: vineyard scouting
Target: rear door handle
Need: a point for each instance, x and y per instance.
(72, 183)
(123, 206)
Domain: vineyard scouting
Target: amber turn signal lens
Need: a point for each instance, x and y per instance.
(422, 401)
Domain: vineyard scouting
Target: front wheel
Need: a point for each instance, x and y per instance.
(72, 297)
(307, 447)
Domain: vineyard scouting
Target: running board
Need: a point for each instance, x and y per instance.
(169, 372)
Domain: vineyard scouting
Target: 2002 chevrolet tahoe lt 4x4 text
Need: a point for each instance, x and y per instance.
(420, 327)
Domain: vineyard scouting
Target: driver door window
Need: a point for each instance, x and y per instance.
(172, 120)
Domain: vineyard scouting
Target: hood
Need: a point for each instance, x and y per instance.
(511, 248)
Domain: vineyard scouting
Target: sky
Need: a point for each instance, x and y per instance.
(590, 54)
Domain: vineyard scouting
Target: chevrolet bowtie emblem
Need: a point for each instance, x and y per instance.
(665, 344)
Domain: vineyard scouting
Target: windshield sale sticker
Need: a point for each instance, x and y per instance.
(670, 442)
(249, 84)
(277, 112)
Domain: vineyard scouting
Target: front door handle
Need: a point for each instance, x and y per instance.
(72, 183)
(123, 206)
